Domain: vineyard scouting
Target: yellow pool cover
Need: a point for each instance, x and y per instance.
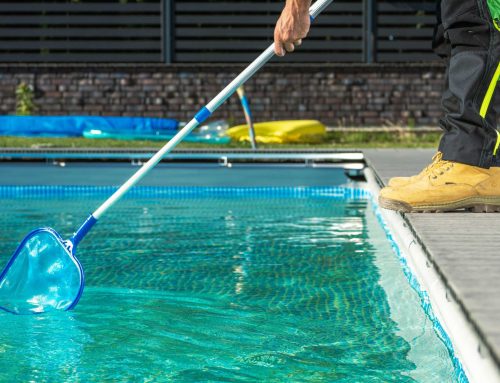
(280, 132)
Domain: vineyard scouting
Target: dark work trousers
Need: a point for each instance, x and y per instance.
(468, 38)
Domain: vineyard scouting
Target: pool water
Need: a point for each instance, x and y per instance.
(224, 289)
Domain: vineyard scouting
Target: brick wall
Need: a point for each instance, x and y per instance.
(338, 95)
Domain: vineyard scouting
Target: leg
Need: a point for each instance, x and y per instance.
(466, 175)
(470, 122)
(440, 43)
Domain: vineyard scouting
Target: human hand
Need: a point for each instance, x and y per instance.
(292, 26)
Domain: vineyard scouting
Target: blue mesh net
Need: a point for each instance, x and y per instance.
(41, 276)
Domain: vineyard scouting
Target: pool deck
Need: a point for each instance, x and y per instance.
(464, 247)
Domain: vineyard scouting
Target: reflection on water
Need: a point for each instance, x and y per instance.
(237, 290)
(41, 348)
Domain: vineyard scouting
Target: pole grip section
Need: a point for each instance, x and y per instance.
(203, 115)
(83, 230)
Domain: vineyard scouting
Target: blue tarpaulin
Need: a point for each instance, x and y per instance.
(73, 126)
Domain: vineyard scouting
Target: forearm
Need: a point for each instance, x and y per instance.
(299, 5)
(292, 26)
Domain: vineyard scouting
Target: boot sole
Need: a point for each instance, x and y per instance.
(472, 204)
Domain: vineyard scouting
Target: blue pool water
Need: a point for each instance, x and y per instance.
(231, 286)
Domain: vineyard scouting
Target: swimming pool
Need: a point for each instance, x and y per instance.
(266, 273)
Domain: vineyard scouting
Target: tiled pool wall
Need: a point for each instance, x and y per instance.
(82, 192)
(425, 301)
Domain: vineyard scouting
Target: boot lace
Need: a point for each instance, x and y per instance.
(436, 159)
(439, 168)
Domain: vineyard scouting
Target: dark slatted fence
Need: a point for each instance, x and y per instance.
(81, 31)
(404, 30)
(236, 31)
(209, 31)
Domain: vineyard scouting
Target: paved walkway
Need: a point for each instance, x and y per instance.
(464, 246)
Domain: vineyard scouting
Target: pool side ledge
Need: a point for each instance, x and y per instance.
(474, 356)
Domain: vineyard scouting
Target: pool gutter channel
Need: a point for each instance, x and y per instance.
(136, 156)
(468, 345)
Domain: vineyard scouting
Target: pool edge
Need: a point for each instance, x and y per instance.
(467, 345)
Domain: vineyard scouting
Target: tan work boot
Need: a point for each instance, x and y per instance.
(402, 181)
(447, 186)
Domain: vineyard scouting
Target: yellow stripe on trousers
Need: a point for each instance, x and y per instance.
(489, 94)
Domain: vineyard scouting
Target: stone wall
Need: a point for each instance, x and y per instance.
(337, 94)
